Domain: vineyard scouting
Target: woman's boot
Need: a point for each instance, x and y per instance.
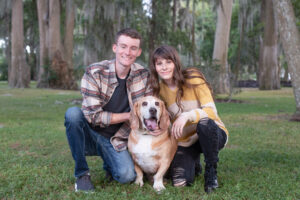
(210, 177)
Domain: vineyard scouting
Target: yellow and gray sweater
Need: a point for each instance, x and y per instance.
(197, 103)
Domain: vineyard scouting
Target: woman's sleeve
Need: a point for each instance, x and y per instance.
(207, 107)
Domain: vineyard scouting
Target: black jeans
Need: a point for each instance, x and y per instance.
(211, 140)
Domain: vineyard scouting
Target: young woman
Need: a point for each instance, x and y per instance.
(196, 124)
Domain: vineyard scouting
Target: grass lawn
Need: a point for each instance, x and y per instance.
(261, 160)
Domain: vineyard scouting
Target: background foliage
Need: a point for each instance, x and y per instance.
(103, 18)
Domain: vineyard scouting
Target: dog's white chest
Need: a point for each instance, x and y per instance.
(144, 155)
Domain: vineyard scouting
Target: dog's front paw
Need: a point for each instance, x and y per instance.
(158, 186)
(139, 181)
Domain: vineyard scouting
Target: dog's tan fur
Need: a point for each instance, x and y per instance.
(151, 154)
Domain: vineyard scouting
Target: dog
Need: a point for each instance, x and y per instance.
(150, 143)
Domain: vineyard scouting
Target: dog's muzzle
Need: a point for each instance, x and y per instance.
(152, 122)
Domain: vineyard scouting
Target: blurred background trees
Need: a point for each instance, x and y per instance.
(19, 71)
(290, 39)
(231, 41)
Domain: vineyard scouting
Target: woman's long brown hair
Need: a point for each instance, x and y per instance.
(180, 75)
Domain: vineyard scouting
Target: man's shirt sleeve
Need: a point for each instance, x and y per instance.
(92, 104)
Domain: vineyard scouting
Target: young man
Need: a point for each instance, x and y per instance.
(101, 127)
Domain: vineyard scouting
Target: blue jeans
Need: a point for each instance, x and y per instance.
(84, 141)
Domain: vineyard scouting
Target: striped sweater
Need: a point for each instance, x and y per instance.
(197, 104)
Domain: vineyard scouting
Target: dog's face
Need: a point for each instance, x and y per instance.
(149, 113)
(150, 110)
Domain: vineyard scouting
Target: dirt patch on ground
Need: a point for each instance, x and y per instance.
(228, 101)
(275, 117)
(15, 146)
(7, 95)
(282, 116)
(295, 117)
(76, 101)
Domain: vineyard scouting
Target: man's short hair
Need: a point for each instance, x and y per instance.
(130, 33)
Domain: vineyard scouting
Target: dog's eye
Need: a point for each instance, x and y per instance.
(144, 103)
(157, 103)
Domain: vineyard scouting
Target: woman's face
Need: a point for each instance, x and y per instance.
(165, 69)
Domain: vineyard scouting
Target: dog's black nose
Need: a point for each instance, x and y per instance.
(153, 111)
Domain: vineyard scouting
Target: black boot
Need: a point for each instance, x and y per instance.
(210, 177)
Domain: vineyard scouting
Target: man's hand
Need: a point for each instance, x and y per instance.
(117, 118)
(178, 125)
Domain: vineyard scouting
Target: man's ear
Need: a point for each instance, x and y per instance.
(140, 52)
(114, 48)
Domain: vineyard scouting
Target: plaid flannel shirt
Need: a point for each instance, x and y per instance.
(97, 87)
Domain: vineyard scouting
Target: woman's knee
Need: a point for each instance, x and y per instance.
(206, 126)
(73, 114)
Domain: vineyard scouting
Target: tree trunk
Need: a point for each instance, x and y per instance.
(7, 39)
(193, 35)
(8, 55)
(19, 75)
(268, 69)
(69, 28)
(290, 39)
(54, 29)
(188, 4)
(43, 18)
(239, 49)
(90, 52)
(224, 12)
(56, 54)
(174, 15)
(152, 33)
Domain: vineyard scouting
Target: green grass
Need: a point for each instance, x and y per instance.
(261, 160)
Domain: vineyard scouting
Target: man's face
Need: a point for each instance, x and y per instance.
(127, 50)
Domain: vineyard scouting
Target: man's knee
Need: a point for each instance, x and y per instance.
(125, 175)
(73, 114)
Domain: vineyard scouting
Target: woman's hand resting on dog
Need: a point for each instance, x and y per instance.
(178, 125)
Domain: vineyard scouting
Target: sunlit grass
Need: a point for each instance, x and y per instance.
(261, 160)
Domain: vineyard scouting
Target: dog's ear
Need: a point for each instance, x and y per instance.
(135, 117)
(164, 121)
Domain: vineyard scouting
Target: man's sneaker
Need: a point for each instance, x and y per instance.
(83, 183)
